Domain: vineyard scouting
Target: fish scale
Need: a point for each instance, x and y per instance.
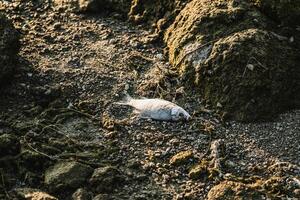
(157, 109)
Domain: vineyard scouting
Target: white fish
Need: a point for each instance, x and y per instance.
(157, 109)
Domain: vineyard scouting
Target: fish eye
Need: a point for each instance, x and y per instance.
(181, 115)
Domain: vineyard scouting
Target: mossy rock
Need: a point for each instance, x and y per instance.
(246, 75)
(9, 47)
(286, 12)
(227, 51)
(9, 145)
(181, 157)
(106, 179)
(67, 175)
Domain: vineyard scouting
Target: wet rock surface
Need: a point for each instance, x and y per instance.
(60, 107)
(9, 47)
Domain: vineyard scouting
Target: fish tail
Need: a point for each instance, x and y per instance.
(126, 100)
(127, 97)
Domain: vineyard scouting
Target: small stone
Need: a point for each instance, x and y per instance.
(160, 56)
(199, 170)
(81, 194)
(102, 197)
(233, 190)
(297, 192)
(181, 157)
(32, 194)
(250, 67)
(57, 25)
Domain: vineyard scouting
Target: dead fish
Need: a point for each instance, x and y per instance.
(157, 109)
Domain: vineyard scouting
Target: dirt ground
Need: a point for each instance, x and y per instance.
(60, 105)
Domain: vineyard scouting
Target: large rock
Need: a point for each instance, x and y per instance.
(286, 12)
(9, 47)
(105, 179)
(67, 175)
(227, 51)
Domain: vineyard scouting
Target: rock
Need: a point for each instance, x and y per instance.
(9, 47)
(286, 12)
(67, 174)
(32, 160)
(95, 5)
(181, 157)
(102, 197)
(155, 13)
(233, 190)
(81, 194)
(32, 194)
(105, 179)
(212, 43)
(9, 145)
(200, 170)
